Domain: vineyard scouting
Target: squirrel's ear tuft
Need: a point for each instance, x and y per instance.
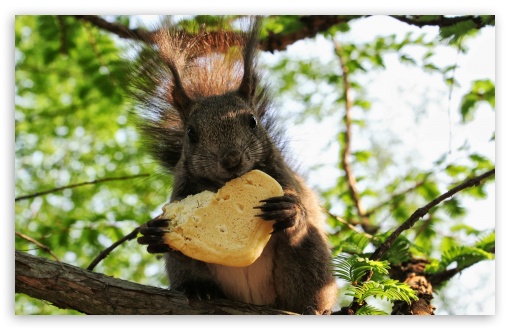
(180, 99)
(248, 87)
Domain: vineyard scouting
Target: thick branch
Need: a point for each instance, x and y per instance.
(412, 273)
(310, 27)
(118, 29)
(384, 247)
(71, 287)
(443, 21)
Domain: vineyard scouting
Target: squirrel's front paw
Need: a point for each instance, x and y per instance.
(152, 236)
(282, 209)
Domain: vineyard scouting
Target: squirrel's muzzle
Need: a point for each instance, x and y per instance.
(231, 160)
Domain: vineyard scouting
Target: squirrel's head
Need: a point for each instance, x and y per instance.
(224, 138)
(203, 105)
(221, 104)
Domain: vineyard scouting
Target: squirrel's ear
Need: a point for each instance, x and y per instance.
(249, 81)
(180, 99)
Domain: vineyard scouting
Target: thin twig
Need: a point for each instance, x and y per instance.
(348, 224)
(63, 35)
(346, 152)
(107, 251)
(39, 244)
(78, 185)
(384, 247)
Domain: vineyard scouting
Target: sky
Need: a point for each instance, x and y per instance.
(9, 9)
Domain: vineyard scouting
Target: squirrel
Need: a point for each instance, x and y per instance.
(205, 115)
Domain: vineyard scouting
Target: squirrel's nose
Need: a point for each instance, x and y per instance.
(231, 160)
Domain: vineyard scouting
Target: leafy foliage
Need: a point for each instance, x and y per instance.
(354, 243)
(353, 269)
(464, 256)
(481, 91)
(370, 310)
(388, 289)
(71, 126)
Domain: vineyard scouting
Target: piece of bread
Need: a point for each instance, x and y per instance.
(222, 227)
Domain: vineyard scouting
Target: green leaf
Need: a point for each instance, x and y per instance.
(353, 268)
(487, 242)
(428, 190)
(362, 156)
(370, 310)
(457, 170)
(481, 91)
(355, 243)
(389, 289)
(466, 228)
(399, 251)
(464, 256)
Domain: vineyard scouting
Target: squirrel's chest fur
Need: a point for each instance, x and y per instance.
(252, 284)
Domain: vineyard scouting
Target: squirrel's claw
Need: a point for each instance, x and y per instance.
(158, 248)
(152, 235)
(282, 209)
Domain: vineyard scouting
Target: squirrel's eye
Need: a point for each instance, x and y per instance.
(253, 122)
(192, 135)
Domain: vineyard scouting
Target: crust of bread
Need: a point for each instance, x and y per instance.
(222, 227)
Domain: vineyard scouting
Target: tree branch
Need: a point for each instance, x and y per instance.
(442, 21)
(311, 25)
(412, 273)
(118, 29)
(71, 287)
(348, 224)
(384, 247)
(78, 185)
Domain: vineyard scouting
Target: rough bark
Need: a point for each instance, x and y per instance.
(71, 287)
(412, 273)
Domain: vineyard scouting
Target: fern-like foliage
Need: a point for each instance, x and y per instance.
(388, 289)
(353, 268)
(400, 250)
(370, 310)
(464, 256)
(487, 242)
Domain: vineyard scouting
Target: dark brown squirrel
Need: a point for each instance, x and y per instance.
(207, 118)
